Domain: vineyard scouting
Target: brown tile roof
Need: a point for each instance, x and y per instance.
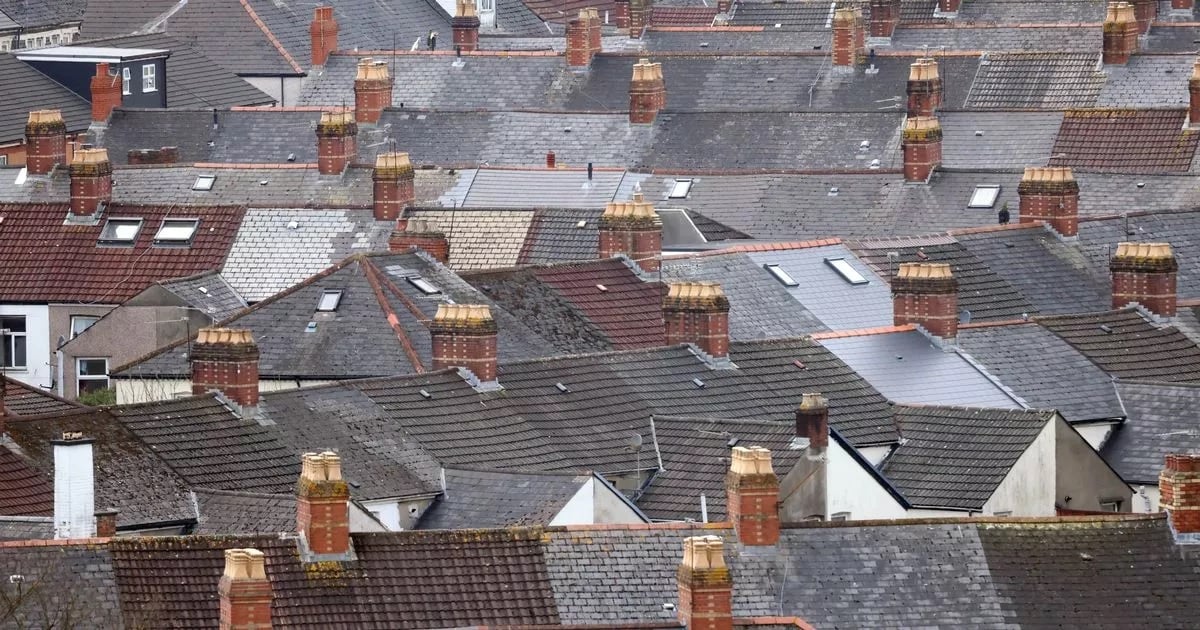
(628, 310)
(23, 490)
(1125, 140)
(21, 399)
(683, 16)
(45, 260)
(563, 10)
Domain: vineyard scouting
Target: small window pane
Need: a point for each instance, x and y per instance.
(680, 189)
(80, 323)
(204, 182)
(781, 275)
(13, 324)
(984, 197)
(847, 272)
(93, 367)
(148, 84)
(120, 231)
(176, 230)
(425, 286)
(329, 301)
(125, 80)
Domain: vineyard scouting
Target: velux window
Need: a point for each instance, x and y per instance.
(120, 231)
(984, 197)
(680, 189)
(847, 272)
(330, 299)
(176, 231)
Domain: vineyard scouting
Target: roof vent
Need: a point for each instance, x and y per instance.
(1106, 328)
(562, 388)
(864, 145)
(833, 192)
(875, 163)
(799, 364)
(581, 224)
(698, 383)
(425, 394)
(602, 288)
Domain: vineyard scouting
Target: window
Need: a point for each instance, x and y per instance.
(204, 182)
(680, 189)
(125, 81)
(330, 299)
(176, 231)
(120, 231)
(848, 273)
(12, 332)
(781, 275)
(1003, 513)
(92, 375)
(80, 323)
(148, 84)
(487, 5)
(1113, 505)
(424, 285)
(984, 197)
(839, 516)
(3, 160)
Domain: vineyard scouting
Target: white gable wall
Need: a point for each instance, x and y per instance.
(1030, 486)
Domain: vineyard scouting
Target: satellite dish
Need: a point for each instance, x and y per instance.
(964, 316)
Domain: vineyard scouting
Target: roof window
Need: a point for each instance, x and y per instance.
(330, 299)
(680, 189)
(204, 182)
(176, 231)
(846, 271)
(424, 285)
(984, 196)
(781, 275)
(120, 231)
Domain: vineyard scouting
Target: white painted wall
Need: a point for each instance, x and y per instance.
(1029, 488)
(135, 390)
(1145, 499)
(361, 521)
(581, 509)
(1095, 434)
(853, 489)
(610, 507)
(38, 361)
(74, 490)
(875, 454)
(285, 90)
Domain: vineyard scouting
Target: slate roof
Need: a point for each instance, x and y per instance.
(221, 512)
(485, 498)
(37, 91)
(555, 236)
(88, 569)
(835, 301)
(1038, 38)
(1132, 347)
(1049, 12)
(34, 15)
(479, 238)
(956, 457)
(26, 528)
(48, 261)
(730, 41)
(208, 292)
(24, 490)
(108, 18)
(1045, 80)
(1125, 140)
(562, 10)
(227, 30)
(257, 136)
(495, 188)
(1161, 421)
(1147, 81)
(1113, 194)
(21, 399)
(1098, 239)
(995, 140)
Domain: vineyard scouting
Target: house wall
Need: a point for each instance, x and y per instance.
(39, 369)
(285, 90)
(580, 509)
(361, 521)
(1082, 474)
(1095, 434)
(60, 328)
(1145, 500)
(53, 36)
(849, 489)
(139, 390)
(1027, 490)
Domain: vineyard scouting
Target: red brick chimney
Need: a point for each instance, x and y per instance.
(1144, 273)
(1144, 11)
(595, 26)
(885, 16)
(697, 313)
(812, 421)
(922, 145)
(752, 496)
(647, 92)
(245, 591)
(639, 17)
(948, 6)
(336, 142)
(106, 523)
(633, 229)
(372, 90)
(620, 13)
(849, 37)
(324, 33)
(1050, 194)
(394, 181)
(579, 42)
(464, 336)
(1181, 5)
(423, 235)
(323, 504)
(1120, 33)
(926, 294)
(465, 26)
(1179, 492)
(106, 93)
(705, 585)
(91, 181)
(46, 141)
(924, 88)
(226, 360)
(1194, 96)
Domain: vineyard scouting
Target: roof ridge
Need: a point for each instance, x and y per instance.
(373, 279)
(287, 56)
(995, 228)
(862, 332)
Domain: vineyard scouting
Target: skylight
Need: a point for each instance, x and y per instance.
(204, 182)
(176, 231)
(680, 189)
(330, 298)
(984, 197)
(781, 275)
(848, 273)
(424, 285)
(120, 231)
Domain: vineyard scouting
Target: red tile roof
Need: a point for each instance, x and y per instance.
(629, 310)
(23, 490)
(683, 16)
(47, 261)
(1125, 140)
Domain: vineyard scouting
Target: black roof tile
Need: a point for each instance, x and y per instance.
(1126, 345)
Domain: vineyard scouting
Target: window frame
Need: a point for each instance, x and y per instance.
(149, 78)
(423, 285)
(779, 273)
(159, 241)
(845, 269)
(335, 295)
(126, 81)
(204, 183)
(676, 185)
(9, 341)
(994, 188)
(120, 242)
(74, 318)
(80, 378)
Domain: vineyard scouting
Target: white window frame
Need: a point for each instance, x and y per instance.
(486, 5)
(984, 196)
(149, 79)
(3, 160)
(75, 318)
(80, 378)
(125, 81)
(680, 189)
(847, 271)
(330, 300)
(161, 239)
(9, 339)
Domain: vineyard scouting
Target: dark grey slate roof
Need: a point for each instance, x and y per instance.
(37, 91)
(1049, 12)
(832, 299)
(994, 140)
(555, 236)
(1147, 81)
(488, 498)
(208, 292)
(109, 18)
(225, 30)
(26, 528)
(497, 188)
(1098, 240)
(254, 136)
(1020, 80)
(956, 457)
(1126, 345)
(1113, 194)
(225, 513)
(1062, 38)
(718, 41)
(92, 594)
(1165, 37)
(1161, 421)
(36, 15)
(1044, 370)
(513, 18)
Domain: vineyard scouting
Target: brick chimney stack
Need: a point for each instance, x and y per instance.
(46, 141)
(885, 16)
(465, 26)
(1181, 5)
(1144, 273)
(420, 234)
(922, 146)
(106, 523)
(620, 14)
(1050, 194)
(639, 17)
(226, 360)
(647, 92)
(926, 294)
(595, 26)
(244, 591)
(1194, 96)
(1120, 33)
(1144, 11)
(579, 42)
(924, 88)
(705, 585)
(74, 487)
(812, 421)
(849, 38)
(1179, 492)
(697, 313)
(106, 93)
(372, 90)
(336, 142)
(91, 181)
(394, 181)
(633, 229)
(324, 33)
(752, 496)
(464, 336)
(807, 485)
(323, 504)
(948, 6)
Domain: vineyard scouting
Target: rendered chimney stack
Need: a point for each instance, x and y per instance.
(423, 235)
(812, 421)
(697, 313)
(1050, 194)
(394, 181)
(752, 492)
(372, 90)
(885, 16)
(106, 523)
(1179, 492)
(465, 26)
(1145, 274)
(807, 485)
(245, 592)
(336, 142)
(926, 294)
(1194, 96)
(639, 17)
(579, 43)
(323, 504)
(595, 26)
(647, 92)
(1120, 33)
(91, 181)
(922, 146)
(324, 33)
(74, 487)
(705, 585)
(464, 336)
(226, 360)
(924, 88)
(46, 141)
(849, 38)
(1144, 11)
(633, 229)
(106, 93)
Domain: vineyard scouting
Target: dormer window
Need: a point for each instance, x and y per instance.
(330, 299)
(120, 231)
(176, 231)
